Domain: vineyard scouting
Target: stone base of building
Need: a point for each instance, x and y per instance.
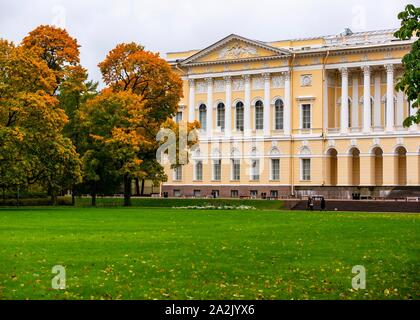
(262, 191)
(234, 191)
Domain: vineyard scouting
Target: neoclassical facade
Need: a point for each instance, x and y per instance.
(316, 115)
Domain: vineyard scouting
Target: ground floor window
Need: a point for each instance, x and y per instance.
(217, 166)
(275, 169)
(253, 193)
(274, 194)
(215, 193)
(306, 169)
(197, 193)
(236, 170)
(178, 173)
(199, 171)
(177, 193)
(234, 193)
(255, 170)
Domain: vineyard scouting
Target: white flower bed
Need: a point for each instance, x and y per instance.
(217, 207)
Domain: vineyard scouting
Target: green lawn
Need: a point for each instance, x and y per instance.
(140, 253)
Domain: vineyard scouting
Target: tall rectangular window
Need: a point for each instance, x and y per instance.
(275, 169)
(306, 116)
(217, 168)
(306, 169)
(199, 170)
(178, 117)
(236, 169)
(240, 117)
(178, 173)
(279, 114)
(221, 116)
(255, 170)
(234, 193)
(259, 115)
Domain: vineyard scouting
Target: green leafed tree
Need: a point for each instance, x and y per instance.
(410, 81)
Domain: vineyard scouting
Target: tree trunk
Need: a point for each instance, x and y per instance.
(127, 191)
(93, 194)
(53, 198)
(73, 196)
(137, 187)
(142, 188)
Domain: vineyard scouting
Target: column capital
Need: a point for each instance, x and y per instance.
(389, 68)
(209, 81)
(227, 79)
(191, 82)
(247, 77)
(287, 75)
(366, 70)
(266, 76)
(344, 71)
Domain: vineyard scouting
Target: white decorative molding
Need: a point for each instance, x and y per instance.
(238, 84)
(219, 86)
(257, 83)
(353, 142)
(376, 141)
(331, 143)
(277, 82)
(201, 87)
(237, 50)
(306, 80)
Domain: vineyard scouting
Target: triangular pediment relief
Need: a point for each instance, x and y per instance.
(234, 48)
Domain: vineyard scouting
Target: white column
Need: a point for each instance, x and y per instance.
(267, 104)
(247, 105)
(287, 104)
(344, 122)
(191, 108)
(367, 118)
(209, 107)
(389, 97)
(228, 107)
(326, 115)
(355, 101)
(400, 108)
(377, 103)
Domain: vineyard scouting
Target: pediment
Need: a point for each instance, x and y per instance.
(235, 48)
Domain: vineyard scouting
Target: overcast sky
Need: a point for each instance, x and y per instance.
(174, 25)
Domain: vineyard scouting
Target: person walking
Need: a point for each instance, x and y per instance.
(311, 204)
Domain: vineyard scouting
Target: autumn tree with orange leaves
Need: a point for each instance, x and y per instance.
(142, 95)
(32, 146)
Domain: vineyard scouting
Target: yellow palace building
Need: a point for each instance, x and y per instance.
(296, 117)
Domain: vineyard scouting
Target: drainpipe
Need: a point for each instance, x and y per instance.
(292, 162)
(324, 79)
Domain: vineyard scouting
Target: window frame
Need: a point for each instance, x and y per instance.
(272, 178)
(259, 110)
(221, 123)
(303, 177)
(239, 128)
(279, 126)
(202, 113)
(302, 105)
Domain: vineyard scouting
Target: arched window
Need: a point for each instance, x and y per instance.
(202, 116)
(239, 116)
(279, 114)
(259, 115)
(221, 116)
